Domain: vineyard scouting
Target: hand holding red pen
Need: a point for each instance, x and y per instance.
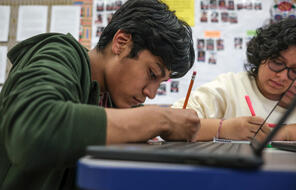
(248, 100)
(250, 105)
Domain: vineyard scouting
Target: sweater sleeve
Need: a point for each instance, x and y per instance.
(45, 119)
(209, 100)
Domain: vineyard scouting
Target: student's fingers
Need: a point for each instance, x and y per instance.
(265, 129)
(194, 125)
(261, 136)
(255, 120)
(184, 123)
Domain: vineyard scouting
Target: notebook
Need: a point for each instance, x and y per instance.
(237, 155)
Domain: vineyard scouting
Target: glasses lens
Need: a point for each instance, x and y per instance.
(276, 66)
(292, 74)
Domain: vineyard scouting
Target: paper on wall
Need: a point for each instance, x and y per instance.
(32, 20)
(65, 19)
(4, 23)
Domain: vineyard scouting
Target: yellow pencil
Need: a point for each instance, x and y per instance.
(189, 89)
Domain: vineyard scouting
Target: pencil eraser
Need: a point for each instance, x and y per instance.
(194, 72)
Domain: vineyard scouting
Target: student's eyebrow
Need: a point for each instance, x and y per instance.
(161, 67)
(283, 59)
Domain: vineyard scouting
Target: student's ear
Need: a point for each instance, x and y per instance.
(120, 42)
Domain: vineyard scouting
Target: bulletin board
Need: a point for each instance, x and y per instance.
(14, 7)
(221, 30)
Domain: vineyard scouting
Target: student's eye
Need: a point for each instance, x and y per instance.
(152, 75)
(293, 71)
(279, 64)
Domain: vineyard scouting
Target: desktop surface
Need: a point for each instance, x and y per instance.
(278, 172)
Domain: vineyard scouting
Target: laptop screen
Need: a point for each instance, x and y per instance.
(259, 144)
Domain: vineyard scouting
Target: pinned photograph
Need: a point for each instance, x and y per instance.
(201, 56)
(161, 89)
(200, 44)
(210, 44)
(175, 86)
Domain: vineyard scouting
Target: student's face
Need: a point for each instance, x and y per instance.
(273, 84)
(134, 79)
(288, 97)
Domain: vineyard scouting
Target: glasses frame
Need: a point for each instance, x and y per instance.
(290, 69)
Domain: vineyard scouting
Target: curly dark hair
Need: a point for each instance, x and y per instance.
(269, 41)
(155, 28)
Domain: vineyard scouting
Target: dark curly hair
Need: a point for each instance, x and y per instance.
(155, 28)
(269, 41)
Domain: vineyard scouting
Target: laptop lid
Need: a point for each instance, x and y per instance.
(259, 146)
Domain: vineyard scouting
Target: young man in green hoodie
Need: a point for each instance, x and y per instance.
(60, 98)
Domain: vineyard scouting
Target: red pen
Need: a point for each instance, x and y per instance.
(250, 105)
(253, 112)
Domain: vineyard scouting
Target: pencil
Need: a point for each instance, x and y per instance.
(250, 105)
(189, 89)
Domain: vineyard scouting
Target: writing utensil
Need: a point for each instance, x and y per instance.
(272, 125)
(253, 112)
(189, 89)
(250, 105)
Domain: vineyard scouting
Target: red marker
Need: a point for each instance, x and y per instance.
(250, 105)
(271, 125)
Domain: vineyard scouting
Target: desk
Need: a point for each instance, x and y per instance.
(278, 172)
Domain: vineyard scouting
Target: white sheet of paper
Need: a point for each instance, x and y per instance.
(65, 19)
(32, 20)
(4, 23)
(3, 62)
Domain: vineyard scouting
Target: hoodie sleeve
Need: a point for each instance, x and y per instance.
(45, 121)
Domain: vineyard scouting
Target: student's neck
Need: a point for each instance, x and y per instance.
(97, 67)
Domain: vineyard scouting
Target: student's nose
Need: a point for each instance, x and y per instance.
(150, 90)
(283, 74)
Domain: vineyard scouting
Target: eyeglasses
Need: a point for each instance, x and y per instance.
(277, 67)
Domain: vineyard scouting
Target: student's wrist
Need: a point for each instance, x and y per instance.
(219, 129)
(224, 130)
(289, 134)
(161, 114)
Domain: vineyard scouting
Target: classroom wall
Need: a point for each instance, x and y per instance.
(221, 30)
(14, 6)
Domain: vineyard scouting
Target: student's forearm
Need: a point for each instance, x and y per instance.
(140, 124)
(291, 136)
(207, 130)
(130, 125)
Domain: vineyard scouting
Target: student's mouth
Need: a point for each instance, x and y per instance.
(137, 101)
(275, 84)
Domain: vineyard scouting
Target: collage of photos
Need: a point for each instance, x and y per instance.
(173, 85)
(208, 49)
(225, 11)
(209, 46)
(103, 12)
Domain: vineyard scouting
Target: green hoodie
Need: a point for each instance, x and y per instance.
(46, 116)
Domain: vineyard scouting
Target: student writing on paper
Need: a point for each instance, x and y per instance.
(49, 108)
(271, 69)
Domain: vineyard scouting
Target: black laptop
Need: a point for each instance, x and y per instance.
(284, 145)
(237, 155)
